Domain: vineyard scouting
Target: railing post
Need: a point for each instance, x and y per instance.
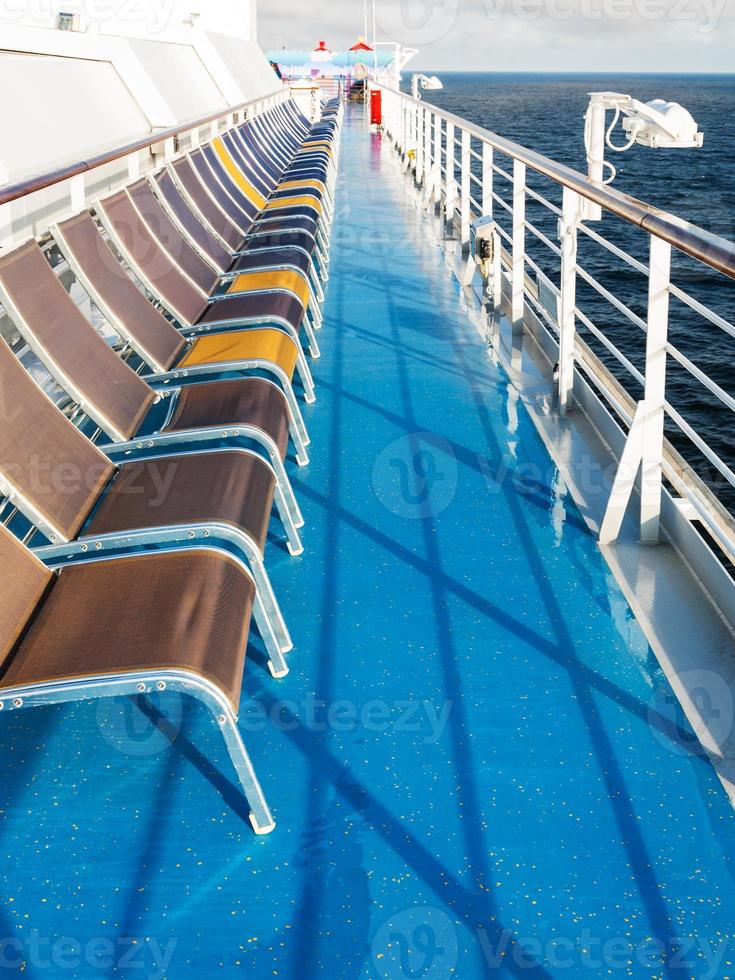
(519, 244)
(568, 282)
(133, 166)
(451, 193)
(428, 163)
(487, 180)
(659, 280)
(419, 145)
(644, 447)
(466, 190)
(438, 157)
(77, 192)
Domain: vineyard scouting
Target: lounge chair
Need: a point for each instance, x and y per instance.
(225, 493)
(210, 203)
(135, 625)
(278, 314)
(174, 357)
(295, 254)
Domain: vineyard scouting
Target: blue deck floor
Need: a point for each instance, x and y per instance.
(470, 763)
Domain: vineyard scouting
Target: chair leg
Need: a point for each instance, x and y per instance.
(285, 512)
(272, 609)
(306, 378)
(311, 337)
(276, 660)
(261, 817)
(284, 487)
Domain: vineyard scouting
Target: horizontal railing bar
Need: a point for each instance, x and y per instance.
(542, 200)
(610, 346)
(540, 235)
(699, 374)
(499, 200)
(540, 272)
(30, 185)
(612, 299)
(615, 249)
(713, 250)
(703, 310)
(703, 447)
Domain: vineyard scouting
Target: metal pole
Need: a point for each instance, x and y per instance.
(451, 184)
(659, 280)
(519, 244)
(466, 190)
(438, 157)
(595, 123)
(568, 281)
(487, 180)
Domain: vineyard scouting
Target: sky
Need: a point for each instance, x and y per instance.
(521, 35)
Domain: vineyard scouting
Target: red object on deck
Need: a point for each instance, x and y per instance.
(361, 46)
(376, 107)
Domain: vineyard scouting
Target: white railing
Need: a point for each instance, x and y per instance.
(471, 172)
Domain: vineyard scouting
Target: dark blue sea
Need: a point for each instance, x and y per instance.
(545, 112)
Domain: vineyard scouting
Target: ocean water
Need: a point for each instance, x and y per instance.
(545, 113)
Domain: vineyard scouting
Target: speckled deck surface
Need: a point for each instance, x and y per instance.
(475, 764)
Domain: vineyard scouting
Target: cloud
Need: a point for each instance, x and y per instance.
(542, 35)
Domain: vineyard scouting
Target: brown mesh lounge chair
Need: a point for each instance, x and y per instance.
(65, 635)
(294, 251)
(225, 494)
(178, 277)
(242, 410)
(160, 345)
(90, 503)
(250, 279)
(181, 190)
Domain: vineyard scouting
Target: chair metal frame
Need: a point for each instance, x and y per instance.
(145, 682)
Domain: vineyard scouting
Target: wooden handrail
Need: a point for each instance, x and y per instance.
(29, 185)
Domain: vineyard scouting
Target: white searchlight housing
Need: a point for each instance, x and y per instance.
(429, 83)
(662, 124)
(657, 124)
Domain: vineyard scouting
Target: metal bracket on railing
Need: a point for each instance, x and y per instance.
(624, 483)
(644, 448)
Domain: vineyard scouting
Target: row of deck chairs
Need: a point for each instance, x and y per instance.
(211, 273)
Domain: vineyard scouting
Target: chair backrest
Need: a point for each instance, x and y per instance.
(137, 320)
(258, 152)
(25, 580)
(148, 258)
(183, 254)
(258, 177)
(243, 194)
(52, 470)
(235, 172)
(219, 193)
(176, 202)
(205, 204)
(57, 331)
